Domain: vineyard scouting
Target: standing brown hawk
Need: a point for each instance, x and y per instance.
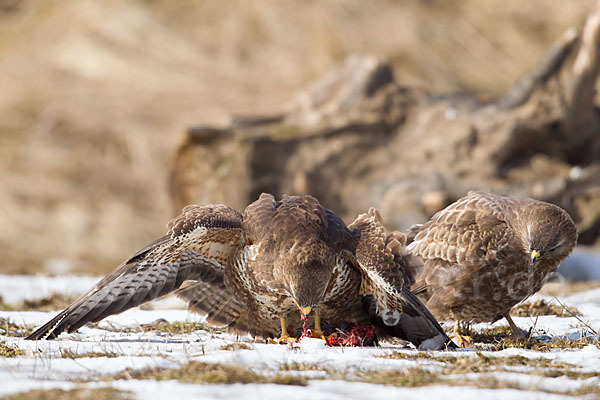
(254, 272)
(485, 253)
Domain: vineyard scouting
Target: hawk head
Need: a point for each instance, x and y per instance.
(551, 234)
(307, 282)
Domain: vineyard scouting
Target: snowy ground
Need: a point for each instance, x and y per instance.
(93, 357)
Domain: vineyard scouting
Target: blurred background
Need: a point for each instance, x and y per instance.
(95, 95)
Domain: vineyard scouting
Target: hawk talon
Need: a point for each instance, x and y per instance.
(287, 339)
(459, 339)
(462, 341)
(318, 334)
(282, 340)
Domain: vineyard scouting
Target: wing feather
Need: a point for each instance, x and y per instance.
(460, 232)
(198, 246)
(458, 241)
(388, 270)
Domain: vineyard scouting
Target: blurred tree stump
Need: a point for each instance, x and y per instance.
(356, 138)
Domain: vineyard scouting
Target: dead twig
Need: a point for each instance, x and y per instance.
(576, 317)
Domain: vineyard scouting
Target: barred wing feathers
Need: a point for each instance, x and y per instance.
(198, 245)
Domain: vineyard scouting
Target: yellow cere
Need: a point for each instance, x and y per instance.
(535, 254)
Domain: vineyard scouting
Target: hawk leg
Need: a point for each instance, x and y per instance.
(285, 337)
(461, 340)
(517, 333)
(317, 332)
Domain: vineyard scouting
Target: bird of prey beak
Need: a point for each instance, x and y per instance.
(535, 255)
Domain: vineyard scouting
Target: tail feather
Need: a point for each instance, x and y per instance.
(213, 300)
(416, 324)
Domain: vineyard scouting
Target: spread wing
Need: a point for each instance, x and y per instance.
(459, 240)
(217, 302)
(198, 246)
(388, 271)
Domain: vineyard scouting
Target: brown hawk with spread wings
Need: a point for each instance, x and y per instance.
(253, 272)
(485, 253)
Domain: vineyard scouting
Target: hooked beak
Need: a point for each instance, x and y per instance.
(535, 255)
(303, 310)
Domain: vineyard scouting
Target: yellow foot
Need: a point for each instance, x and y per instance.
(318, 334)
(286, 339)
(461, 340)
(282, 340)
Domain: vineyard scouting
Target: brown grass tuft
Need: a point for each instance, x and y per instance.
(161, 325)
(74, 394)
(9, 328)
(66, 353)
(176, 328)
(500, 338)
(10, 351)
(200, 373)
(541, 307)
(406, 377)
(236, 346)
(300, 366)
(56, 301)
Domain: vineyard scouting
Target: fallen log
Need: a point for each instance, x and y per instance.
(356, 138)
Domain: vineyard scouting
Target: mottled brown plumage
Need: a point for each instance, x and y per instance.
(478, 254)
(250, 271)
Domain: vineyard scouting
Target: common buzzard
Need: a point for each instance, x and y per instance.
(485, 253)
(255, 272)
